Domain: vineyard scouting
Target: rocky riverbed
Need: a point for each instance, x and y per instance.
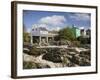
(56, 57)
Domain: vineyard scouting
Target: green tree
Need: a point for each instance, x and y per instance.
(67, 34)
(26, 37)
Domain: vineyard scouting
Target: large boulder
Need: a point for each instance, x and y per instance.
(52, 57)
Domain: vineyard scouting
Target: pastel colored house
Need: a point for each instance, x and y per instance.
(76, 31)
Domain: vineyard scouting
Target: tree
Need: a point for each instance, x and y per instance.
(24, 28)
(26, 37)
(67, 34)
(84, 40)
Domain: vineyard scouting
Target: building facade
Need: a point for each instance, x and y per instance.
(41, 35)
(76, 31)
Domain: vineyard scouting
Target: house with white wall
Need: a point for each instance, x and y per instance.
(40, 34)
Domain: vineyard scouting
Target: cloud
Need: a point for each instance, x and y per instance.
(80, 16)
(42, 25)
(53, 20)
(50, 28)
(53, 28)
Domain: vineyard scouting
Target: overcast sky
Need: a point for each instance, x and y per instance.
(55, 20)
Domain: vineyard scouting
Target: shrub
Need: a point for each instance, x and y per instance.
(29, 65)
(40, 65)
(33, 65)
(84, 40)
(67, 34)
(84, 62)
(63, 42)
(52, 57)
(76, 43)
(26, 37)
(35, 51)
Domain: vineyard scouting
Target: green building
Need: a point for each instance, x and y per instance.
(76, 31)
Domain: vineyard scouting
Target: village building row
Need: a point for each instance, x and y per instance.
(41, 34)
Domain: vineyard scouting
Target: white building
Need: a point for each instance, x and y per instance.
(85, 32)
(40, 35)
